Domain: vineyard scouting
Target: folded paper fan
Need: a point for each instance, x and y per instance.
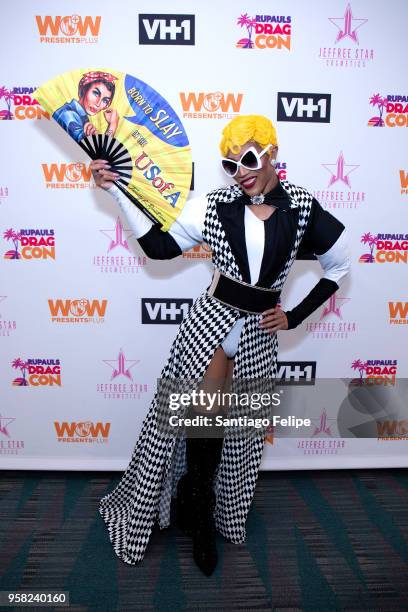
(118, 117)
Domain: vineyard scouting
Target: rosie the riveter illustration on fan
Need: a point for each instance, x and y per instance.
(117, 117)
(95, 94)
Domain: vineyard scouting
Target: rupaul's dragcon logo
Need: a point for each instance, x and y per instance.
(77, 310)
(375, 371)
(343, 48)
(385, 248)
(8, 444)
(392, 111)
(29, 244)
(7, 325)
(20, 104)
(265, 31)
(37, 372)
(118, 253)
(338, 191)
(71, 29)
(332, 323)
(124, 382)
(75, 175)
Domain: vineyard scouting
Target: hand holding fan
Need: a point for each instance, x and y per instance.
(119, 118)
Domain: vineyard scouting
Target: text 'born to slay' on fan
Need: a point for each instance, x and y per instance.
(117, 117)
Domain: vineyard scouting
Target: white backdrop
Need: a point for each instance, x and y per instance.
(87, 413)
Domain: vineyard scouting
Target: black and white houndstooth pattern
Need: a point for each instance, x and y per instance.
(144, 492)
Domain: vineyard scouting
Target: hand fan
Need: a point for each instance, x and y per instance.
(118, 117)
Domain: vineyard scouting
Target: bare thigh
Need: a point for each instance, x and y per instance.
(216, 379)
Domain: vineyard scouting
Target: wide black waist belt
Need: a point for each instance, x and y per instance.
(240, 295)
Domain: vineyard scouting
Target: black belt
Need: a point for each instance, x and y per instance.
(240, 295)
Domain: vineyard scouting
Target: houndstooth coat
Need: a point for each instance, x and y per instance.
(144, 492)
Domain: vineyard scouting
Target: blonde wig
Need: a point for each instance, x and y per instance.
(243, 128)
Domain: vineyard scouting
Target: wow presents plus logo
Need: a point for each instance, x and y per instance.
(344, 48)
(71, 29)
(30, 244)
(265, 32)
(333, 323)
(340, 191)
(82, 432)
(76, 175)
(20, 104)
(8, 325)
(9, 445)
(117, 253)
(392, 430)
(213, 105)
(201, 251)
(403, 181)
(375, 371)
(392, 111)
(398, 312)
(385, 248)
(122, 380)
(37, 372)
(78, 311)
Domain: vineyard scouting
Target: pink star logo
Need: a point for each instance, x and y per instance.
(121, 366)
(333, 306)
(347, 25)
(322, 425)
(117, 236)
(339, 172)
(4, 421)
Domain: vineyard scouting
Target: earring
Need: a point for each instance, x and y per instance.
(273, 162)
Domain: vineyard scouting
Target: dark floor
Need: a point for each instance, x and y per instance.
(316, 541)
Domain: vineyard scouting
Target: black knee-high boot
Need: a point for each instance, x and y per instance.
(196, 499)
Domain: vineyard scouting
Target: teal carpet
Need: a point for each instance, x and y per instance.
(316, 541)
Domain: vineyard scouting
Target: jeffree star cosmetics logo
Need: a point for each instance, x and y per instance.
(340, 171)
(347, 26)
(337, 192)
(121, 366)
(331, 325)
(7, 326)
(333, 306)
(323, 425)
(118, 236)
(4, 422)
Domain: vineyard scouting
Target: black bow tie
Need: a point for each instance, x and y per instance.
(276, 197)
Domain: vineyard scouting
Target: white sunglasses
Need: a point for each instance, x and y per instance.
(251, 160)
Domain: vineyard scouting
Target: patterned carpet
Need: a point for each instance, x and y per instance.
(316, 541)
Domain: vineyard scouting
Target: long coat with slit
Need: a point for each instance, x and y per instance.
(144, 493)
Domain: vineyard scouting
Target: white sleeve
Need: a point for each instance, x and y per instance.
(187, 229)
(139, 223)
(336, 261)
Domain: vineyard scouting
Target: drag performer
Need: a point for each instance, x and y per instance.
(255, 229)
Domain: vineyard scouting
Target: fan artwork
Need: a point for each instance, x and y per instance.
(115, 116)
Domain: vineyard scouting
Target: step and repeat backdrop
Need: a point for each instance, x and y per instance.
(87, 319)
